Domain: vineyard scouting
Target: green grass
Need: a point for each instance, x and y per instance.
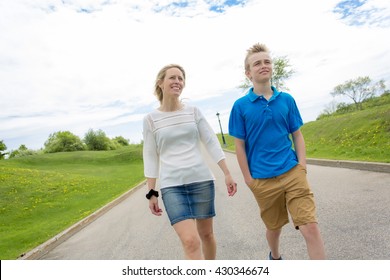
(42, 195)
(360, 135)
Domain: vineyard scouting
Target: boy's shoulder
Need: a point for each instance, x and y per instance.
(286, 96)
(285, 93)
(242, 99)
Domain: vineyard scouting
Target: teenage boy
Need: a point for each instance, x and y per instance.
(262, 123)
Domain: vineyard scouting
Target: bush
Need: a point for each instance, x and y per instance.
(343, 108)
(22, 153)
(121, 141)
(63, 141)
(98, 141)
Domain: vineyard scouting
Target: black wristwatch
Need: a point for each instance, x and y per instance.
(151, 193)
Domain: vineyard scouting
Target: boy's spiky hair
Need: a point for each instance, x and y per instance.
(256, 48)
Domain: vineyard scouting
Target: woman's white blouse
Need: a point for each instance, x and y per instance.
(172, 146)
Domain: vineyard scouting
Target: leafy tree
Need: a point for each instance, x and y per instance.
(359, 89)
(328, 110)
(121, 141)
(98, 141)
(23, 147)
(21, 152)
(63, 141)
(3, 147)
(281, 71)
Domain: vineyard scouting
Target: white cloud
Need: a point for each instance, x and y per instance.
(373, 13)
(74, 65)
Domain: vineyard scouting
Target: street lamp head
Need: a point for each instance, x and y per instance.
(217, 114)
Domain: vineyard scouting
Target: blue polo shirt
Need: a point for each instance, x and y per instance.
(265, 126)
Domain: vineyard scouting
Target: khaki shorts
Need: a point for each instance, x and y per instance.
(289, 192)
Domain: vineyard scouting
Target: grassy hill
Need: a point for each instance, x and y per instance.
(362, 135)
(42, 195)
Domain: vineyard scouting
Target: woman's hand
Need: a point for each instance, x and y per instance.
(231, 185)
(153, 206)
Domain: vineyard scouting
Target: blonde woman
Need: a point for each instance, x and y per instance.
(173, 135)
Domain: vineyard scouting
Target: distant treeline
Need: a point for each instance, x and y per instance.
(66, 141)
(335, 109)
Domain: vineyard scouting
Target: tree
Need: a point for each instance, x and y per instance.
(3, 147)
(121, 141)
(98, 141)
(281, 71)
(23, 147)
(359, 89)
(63, 141)
(329, 110)
(22, 152)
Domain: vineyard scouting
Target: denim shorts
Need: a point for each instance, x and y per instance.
(189, 201)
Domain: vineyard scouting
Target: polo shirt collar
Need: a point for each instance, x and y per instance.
(253, 96)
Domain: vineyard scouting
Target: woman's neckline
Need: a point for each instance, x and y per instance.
(177, 110)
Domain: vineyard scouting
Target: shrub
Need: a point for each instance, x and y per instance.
(98, 141)
(63, 141)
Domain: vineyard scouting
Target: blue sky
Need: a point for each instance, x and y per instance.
(78, 65)
(360, 13)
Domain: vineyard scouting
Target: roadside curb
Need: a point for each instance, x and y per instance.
(360, 165)
(41, 250)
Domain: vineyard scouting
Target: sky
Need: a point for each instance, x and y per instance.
(75, 65)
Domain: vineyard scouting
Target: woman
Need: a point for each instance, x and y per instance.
(173, 134)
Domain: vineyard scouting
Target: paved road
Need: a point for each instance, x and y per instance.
(353, 210)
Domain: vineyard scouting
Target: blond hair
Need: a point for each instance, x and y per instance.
(256, 48)
(161, 76)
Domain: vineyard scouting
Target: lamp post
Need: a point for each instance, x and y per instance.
(220, 126)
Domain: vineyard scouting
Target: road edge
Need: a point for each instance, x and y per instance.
(360, 165)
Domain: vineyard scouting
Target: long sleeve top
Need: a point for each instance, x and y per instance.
(172, 146)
